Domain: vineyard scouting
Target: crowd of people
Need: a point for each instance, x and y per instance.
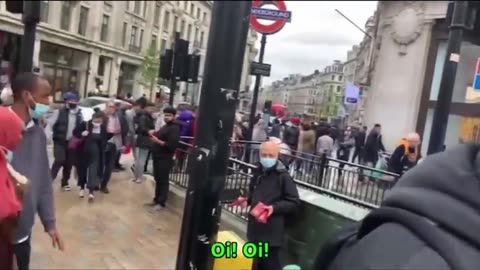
(93, 147)
(90, 148)
(304, 141)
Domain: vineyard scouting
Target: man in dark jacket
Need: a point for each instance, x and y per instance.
(62, 123)
(144, 123)
(428, 221)
(273, 186)
(406, 155)
(360, 137)
(373, 145)
(165, 142)
(292, 133)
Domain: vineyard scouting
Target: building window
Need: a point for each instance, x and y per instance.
(205, 16)
(201, 38)
(124, 34)
(140, 40)
(182, 28)
(333, 77)
(163, 46)
(104, 29)
(133, 36)
(195, 40)
(340, 78)
(192, 9)
(198, 13)
(101, 65)
(189, 30)
(136, 7)
(66, 15)
(82, 22)
(175, 24)
(339, 88)
(185, 5)
(156, 17)
(44, 11)
(154, 41)
(166, 20)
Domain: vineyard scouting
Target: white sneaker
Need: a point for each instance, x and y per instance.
(91, 197)
(82, 193)
(66, 188)
(138, 181)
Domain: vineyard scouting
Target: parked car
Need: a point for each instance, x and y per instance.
(89, 104)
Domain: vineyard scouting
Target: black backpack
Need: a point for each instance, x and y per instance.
(432, 235)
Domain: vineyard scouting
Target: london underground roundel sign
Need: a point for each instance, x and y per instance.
(279, 16)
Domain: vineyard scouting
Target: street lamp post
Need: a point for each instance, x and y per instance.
(444, 99)
(31, 17)
(208, 160)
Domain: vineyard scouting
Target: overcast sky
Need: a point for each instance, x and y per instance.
(315, 37)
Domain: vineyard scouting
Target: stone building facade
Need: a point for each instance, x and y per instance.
(80, 44)
(407, 61)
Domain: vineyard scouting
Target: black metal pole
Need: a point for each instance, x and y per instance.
(31, 16)
(209, 158)
(173, 80)
(442, 108)
(253, 108)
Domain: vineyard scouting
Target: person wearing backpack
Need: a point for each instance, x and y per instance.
(429, 220)
(406, 155)
(272, 189)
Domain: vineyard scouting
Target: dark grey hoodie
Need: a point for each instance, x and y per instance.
(30, 159)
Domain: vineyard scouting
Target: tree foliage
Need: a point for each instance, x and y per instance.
(150, 66)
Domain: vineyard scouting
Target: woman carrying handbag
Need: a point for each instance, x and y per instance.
(91, 141)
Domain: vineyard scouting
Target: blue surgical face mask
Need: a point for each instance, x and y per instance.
(39, 110)
(268, 163)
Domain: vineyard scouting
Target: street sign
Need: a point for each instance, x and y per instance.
(271, 14)
(280, 16)
(351, 93)
(476, 79)
(260, 69)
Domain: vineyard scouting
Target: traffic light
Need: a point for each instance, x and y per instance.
(165, 70)
(15, 7)
(193, 66)
(181, 53)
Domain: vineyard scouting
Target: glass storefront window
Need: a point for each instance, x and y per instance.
(454, 130)
(65, 68)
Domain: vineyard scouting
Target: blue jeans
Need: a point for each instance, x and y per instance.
(141, 156)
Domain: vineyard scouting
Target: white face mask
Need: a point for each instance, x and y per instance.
(96, 124)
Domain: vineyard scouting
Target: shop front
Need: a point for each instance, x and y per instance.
(126, 80)
(464, 119)
(65, 68)
(10, 45)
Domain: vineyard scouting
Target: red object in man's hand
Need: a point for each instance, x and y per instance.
(127, 149)
(239, 201)
(260, 212)
(263, 218)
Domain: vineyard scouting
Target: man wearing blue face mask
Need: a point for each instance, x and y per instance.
(31, 101)
(273, 187)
